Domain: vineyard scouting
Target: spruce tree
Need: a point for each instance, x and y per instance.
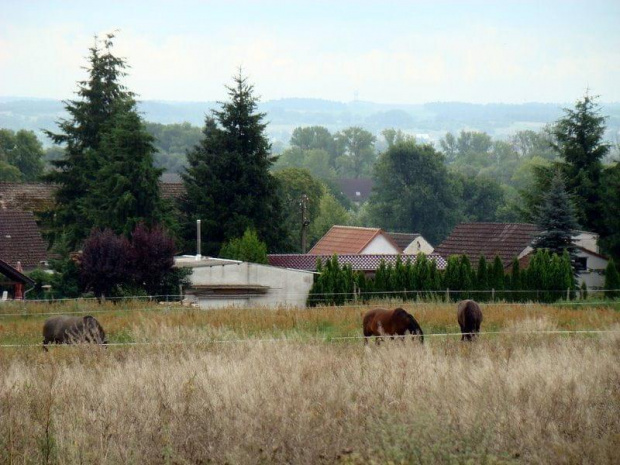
(556, 218)
(578, 139)
(228, 184)
(126, 189)
(90, 117)
(106, 178)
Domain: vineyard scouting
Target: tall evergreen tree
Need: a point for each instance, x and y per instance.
(556, 218)
(579, 142)
(106, 177)
(126, 189)
(228, 184)
(80, 135)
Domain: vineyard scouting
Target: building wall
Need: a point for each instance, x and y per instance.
(594, 275)
(587, 240)
(286, 287)
(418, 245)
(380, 245)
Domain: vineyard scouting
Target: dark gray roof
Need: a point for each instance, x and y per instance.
(20, 239)
(506, 240)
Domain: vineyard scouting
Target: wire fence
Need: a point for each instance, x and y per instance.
(175, 302)
(324, 339)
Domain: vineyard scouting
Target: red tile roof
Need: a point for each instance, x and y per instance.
(347, 240)
(359, 262)
(20, 239)
(507, 240)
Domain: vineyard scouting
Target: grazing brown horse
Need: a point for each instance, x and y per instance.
(469, 317)
(382, 322)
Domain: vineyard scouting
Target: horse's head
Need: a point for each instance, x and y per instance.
(414, 328)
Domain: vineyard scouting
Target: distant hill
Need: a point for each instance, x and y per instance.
(284, 115)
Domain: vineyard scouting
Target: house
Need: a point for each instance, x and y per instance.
(217, 283)
(355, 240)
(512, 240)
(411, 244)
(357, 190)
(21, 240)
(367, 263)
(12, 281)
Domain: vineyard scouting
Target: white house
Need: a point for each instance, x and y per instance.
(217, 283)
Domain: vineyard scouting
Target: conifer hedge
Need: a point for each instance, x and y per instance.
(548, 278)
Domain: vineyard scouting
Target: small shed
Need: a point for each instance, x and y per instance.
(217, 283)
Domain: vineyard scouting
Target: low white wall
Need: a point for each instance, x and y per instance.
(286, 287)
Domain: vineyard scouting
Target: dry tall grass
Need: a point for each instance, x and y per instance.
(503, 400)
(127, 321)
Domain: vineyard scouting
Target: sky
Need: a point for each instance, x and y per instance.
(381, 51)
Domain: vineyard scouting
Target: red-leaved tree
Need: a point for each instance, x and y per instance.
(151, 256)
(105, 262)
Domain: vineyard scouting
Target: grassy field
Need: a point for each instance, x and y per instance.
(278, 386)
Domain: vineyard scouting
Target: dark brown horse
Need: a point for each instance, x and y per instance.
(382, 322)
(469, 317)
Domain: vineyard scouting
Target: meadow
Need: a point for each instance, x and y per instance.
(298, 386)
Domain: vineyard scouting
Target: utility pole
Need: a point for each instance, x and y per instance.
(303, 204)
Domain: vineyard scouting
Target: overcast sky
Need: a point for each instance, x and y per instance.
(381, 51)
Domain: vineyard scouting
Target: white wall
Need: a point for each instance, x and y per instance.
(593, 276)
(286, 287)
(418, 245)
(380, 245)
(587, 240)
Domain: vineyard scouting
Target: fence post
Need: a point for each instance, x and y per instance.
(354, 293)
(447, 294)
(493, 294)
(568, 294)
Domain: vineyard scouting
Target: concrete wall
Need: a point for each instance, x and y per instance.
(380, 245)
(286, 287)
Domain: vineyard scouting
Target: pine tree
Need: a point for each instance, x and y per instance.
(81, 135)
(228, 184)
(126, 189)
(556, 219)
(579, 141)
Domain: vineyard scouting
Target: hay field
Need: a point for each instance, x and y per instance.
(307, 397)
